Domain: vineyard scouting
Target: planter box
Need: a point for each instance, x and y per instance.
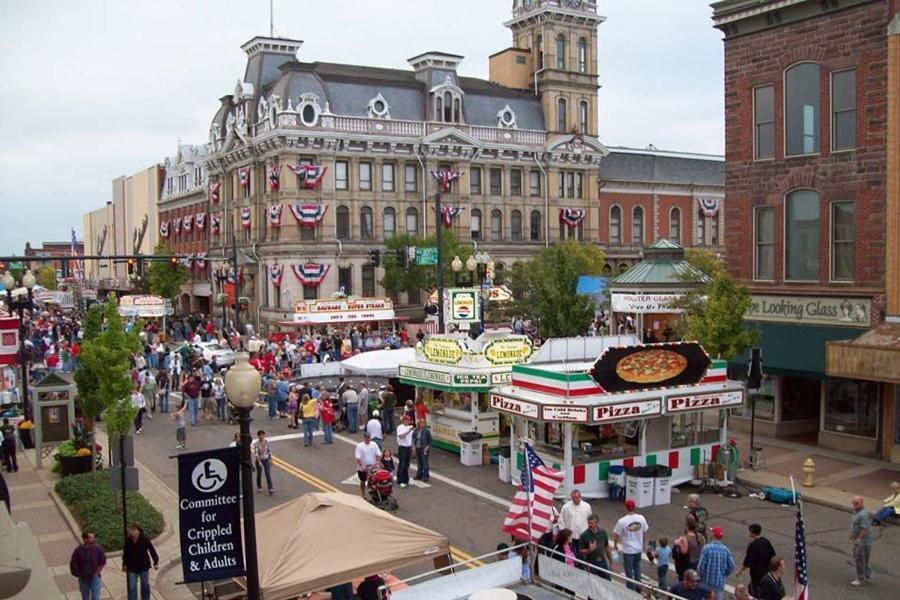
(74, 465)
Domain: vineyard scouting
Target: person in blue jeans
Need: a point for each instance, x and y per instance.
(663, 556)
(422, 444)
(593, 547)
(136, 556)
(630, 531)
(86, 564)
(263, 455)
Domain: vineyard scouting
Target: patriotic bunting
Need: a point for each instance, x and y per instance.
(309, 176)
(176, 226)
(311, 274)
(244, 177)
(215, 224)
(187, 223)
(200, 260)
(164, 229)
(276, 272)
(448, 213)
(200, 221)
(529, 516)
(709, 206)
(308, 215)
(446, 178)
(214, 188)
(572, 216)
(245, 218)
(186, 260)
(274, 177)
(275, 215)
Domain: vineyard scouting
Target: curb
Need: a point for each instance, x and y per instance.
(811, 495)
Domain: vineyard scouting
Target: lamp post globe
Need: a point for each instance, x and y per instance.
(29, 280)
(471, 264)
(456, 265)
(8, 281)
(242, 383)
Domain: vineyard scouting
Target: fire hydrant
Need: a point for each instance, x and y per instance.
(809, 469)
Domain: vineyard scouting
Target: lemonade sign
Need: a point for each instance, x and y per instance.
(443, 351)
(508, 351)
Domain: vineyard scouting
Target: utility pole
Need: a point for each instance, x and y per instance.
(438, 226)
(234, 265)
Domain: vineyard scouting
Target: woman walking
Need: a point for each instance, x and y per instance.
(293, 401)
(263, 454)
(136, 557)
(308, 408)
(219, 395)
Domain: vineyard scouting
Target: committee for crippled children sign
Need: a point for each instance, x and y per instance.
(209, 515)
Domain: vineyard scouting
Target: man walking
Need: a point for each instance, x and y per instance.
(373, 428)
(422, 443)
(404, 450)
(574, 514)
(191, 391)
(9, 446)
(759, 553)
(350, 400)
(861, 535)
(630, 531)
(716, 563)
(593, 546)
(86, 563)
(388, 404)
(366, 454)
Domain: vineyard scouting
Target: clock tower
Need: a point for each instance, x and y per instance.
(558, 41)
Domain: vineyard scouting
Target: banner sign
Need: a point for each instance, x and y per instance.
(516, 407)
(811, 310)
(350, 309)
(650, 366)
(464, 305)
(571, 414)
(644, 303)
(444, 351)
(626, 411)
(9, 340)
(509, 351)
(209, 515)
(703, 401)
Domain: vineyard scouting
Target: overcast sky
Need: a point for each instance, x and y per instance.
(95, 89)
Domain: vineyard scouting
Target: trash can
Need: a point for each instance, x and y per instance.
(662, 485)
(616, 480)
(470, 448)
(503, 464)
(639, 486)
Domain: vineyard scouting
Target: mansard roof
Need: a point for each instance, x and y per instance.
(655, 166)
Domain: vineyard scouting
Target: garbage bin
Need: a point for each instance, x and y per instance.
(639, 486)
(503, 463)
(470, 448)
(616, 480)
(662, 485)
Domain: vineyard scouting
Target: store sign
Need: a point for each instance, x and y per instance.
(349, 309)
(427, 255)
(144, 306)
(517, 407)
(703, 401)
(209, 515)
(471, 379)
(810, 310)
(464, 305)
(644, 303)
(9, 341)
(499, 293)
(571, 414)
(508, 351)
(444, 351)
(501, 378)
(650, 366)
(627, 411)
(425, 375)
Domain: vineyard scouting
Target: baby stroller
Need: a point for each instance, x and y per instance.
(381, 489)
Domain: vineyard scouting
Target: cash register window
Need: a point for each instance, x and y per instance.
(693, 429)
(593, 443)
(437, 400)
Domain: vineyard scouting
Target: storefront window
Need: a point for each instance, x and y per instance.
(765, 402)
(696, 428)
(851, 407)
(798, 398)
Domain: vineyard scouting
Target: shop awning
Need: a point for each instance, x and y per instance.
(453, 379)
(797, 350)
(873, 356)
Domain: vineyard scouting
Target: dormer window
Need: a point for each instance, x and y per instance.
(379, 108)
(309, 109)
(506, 118)
(447, 102)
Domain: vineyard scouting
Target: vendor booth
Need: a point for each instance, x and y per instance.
(145, 306)
(377, 363)
(637, 405)
(314, 315)
(453, 374)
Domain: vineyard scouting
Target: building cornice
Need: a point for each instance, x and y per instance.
(742, 17)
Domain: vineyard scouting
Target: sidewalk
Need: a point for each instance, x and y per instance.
(838, 477)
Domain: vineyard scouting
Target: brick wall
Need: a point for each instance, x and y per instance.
(852, 38)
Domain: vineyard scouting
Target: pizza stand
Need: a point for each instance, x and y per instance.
(453, 374)
(648, 289)
(591, 419)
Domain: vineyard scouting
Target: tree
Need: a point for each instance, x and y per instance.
(414, 277)
(714, 313)
(46, 277)
(163, 278)
(544, 288)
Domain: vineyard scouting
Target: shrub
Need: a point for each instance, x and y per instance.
(96, 507)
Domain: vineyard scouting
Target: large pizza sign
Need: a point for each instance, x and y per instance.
(650, 366)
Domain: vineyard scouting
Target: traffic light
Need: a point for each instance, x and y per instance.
(140, 267)
(131, 263)
(173, 261)
(375, 257)
(401, 257)
(64, 269)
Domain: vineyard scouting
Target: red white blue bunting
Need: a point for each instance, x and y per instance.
(187, 223)
(164, 229)
(572, 216)
(215, 224)
(176, 226)
(244, 177)
(311, 274)
(709, 206)
(200, 260)
(276, 273)
(274, 177)
(245, 218)
(214, 188)
(275, 215)
(448, 213)
(446, 177)
(200, 221)
(308, 215)
(186, 260)
(309, 176)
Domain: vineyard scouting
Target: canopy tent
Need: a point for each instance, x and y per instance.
(321, 540)
(378, 363)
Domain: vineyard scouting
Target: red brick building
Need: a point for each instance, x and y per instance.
(805, 184)
(51, 249)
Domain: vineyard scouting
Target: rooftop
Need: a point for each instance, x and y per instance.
(662, 166)
(663, 264)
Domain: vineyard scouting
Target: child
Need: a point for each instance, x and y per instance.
(663, 554)
(387, 461)
(180, 434)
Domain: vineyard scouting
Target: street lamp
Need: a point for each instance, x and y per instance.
(457, 266)
(20, 300)
(242, 383)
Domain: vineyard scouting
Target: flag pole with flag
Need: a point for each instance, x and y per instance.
(801, 575)
(531, 513)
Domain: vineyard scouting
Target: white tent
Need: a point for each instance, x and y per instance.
(378, 363)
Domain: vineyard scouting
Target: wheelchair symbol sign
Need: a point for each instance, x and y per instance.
(209, 475)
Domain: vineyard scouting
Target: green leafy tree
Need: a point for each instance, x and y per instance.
(414, 277)
(714, 313)
(163, 278)
(544, 288)
(46, 277)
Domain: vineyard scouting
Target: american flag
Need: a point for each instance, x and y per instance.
(446, 178)
(801, 578)
(539, 483)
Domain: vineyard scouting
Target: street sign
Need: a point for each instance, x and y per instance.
(132, 483)
(427, 256)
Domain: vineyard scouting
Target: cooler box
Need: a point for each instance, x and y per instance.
(470, 453)
(662, 486)
(639, 487)
(616, 481)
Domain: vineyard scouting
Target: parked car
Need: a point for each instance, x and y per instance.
(224, 357)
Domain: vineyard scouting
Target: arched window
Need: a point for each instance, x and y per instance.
(801, 109)
(582, 55)
(801, 235)
(561, 123)
(342, 219)
(456, 110)
(475, 223)
(583, 117)
(366, 223)
(701, 227)
(615, 226)
(536, 228)
(448, 107)
(412, 221)
(389, 222)
(496, 225)
(561, 52)
(637, 226)
(675, 225)
(438, 108)
(515, 225)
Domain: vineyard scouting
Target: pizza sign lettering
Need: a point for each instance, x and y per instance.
(703, 401)
(631, 410)
(511, 405)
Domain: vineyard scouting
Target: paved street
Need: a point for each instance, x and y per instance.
(468, 503)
